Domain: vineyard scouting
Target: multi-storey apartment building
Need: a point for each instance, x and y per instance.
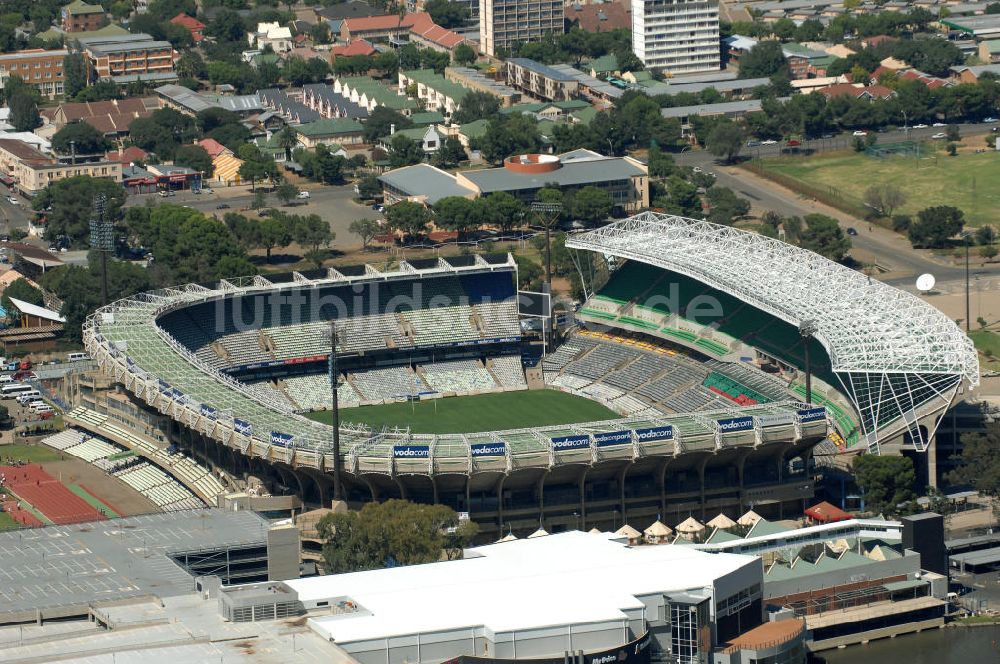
(80, 17)
(40, 68)
(676, 36)
(123, 58)
(540, 80)
(33, 170)
(505, 22)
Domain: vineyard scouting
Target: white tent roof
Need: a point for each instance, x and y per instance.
(722, 521)
(658, 529)
(628, 531)
(33, 310)
(690, 525)
(509, 537)
(541, 532)
(749, 519)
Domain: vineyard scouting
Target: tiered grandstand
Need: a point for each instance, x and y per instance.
(235, 363)
(885, 363)
(126, 456)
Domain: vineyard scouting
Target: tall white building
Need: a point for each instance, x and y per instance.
(676, 36)
(506, 22)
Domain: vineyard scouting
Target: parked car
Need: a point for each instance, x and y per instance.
(939, 124)
(303, 195)
(860, 132)
(851, 230)
(752, 143)
(12, 200)
(222, 206)
(769, 141)
(940, 135)
(920, 126)
(988, 120)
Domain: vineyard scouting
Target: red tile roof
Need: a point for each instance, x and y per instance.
(839, 90)
(354, 47)
(435, 33)
(193, 25)
(879, 91)
(212, 147)
(128, 155)
(600, 18)
(389, 22)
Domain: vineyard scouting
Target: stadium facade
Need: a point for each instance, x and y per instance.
(220, 359)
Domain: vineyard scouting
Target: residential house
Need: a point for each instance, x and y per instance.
(113, 118)
(129, 155)
(275, 35)
(437, 92)
(428, 138)
(427, 34)
(342, 131)
(989, 51)
(369, 93)
(382, 29)
(351, 49)
(858, 91)
(321, 98)
(193, 25)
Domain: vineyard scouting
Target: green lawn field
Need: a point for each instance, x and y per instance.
(481, 412)
(29, 453)
(7, 522)
(970, 182)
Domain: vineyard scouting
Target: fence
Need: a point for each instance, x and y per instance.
(828, 196)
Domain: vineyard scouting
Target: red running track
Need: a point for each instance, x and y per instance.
(47, 495)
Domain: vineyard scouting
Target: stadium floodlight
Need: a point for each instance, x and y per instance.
(331, 334)
(102, 238)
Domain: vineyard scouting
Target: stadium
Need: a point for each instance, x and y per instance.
(681, 388)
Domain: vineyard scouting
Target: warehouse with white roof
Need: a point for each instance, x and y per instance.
(539, 598)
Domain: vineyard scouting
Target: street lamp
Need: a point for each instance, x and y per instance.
(967, 237)
(807, 329)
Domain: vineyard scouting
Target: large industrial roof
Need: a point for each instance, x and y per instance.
(533, 583)
(864, 324)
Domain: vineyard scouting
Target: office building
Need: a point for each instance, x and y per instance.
(40, 68)
(676, 37)
(503, 23)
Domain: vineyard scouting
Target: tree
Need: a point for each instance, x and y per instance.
(450, 154)
(592, 204)
(476, 106)
(765, 59)
(395, 532)
(464, 54)
(74, 74)
(885, 481)
(381, 121)
(23, 108)
(404, 151)
(510, 135)
(953, 134)
(194, 157)
(935, 225)
(369, 188)
(409, 217)
(725, 140)
(446, 13)
(256, 165)
(288, 139)
(456, 213)
(884, 199)
(824, 236)
(993, 8)
(191, 65)
(227, 26)
(286, 192)
(72, 202)
(726, 206)
(366, 229)
(502, 210)
(313, 233)
(271, 233)
(21, 289)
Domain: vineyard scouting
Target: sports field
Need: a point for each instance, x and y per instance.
(970, 182)
(481, 412)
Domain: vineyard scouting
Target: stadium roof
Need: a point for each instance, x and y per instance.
(895, 354)
(532, 583)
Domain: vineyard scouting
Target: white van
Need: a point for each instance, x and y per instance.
(29, 396)
(6, 378)
(77, 357)
(41, 407)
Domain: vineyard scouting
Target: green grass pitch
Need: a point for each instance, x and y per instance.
(481, 412)
(970, 182)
